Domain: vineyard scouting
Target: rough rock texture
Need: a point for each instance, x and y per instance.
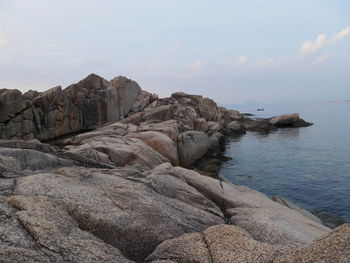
(289, 120)
(227, 243)
(18, 162)
(192, 146)
(159, 142)
(106, 190)
(126, 209)
(234, 128)
(186, 248)
(11, 104)
(83, 106)
(142, 101)
(291, 205)
(334, 247)
(30, 144)
(222, 243)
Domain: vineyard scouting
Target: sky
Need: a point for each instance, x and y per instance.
(237, 51)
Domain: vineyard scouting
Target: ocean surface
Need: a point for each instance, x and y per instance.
(309, 166)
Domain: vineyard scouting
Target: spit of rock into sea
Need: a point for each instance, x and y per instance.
(103, 171)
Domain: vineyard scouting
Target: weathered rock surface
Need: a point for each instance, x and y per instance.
(11, 104)
(192, 146)
(83, 106)
(29, 144)
(108, 191)
(126, 209)
(142, 101)
(222, 243)
(227, 243)
(289, 120)
(334, 247)
(159, 142)
(293, 206)
(234, 128)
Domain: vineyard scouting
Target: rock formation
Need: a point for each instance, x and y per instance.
(112, 184)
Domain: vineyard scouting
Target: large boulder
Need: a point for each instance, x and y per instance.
(258, 125)
(171, 128)
(186, 248)
(127, 91)
(234, 128)
(83, 106)
(29, 144)
(62, 239)
(264, 219)
(222, 243)
(334, 247)
(16, 162)
(192, 146)
(227, 115)
(200, 124)
(289, 120)
(120, 210)
(284, 119)
(214, 127)
(186, 115)
(142, 101)
(119, 151)
(17, 119)
(159, 142)
(205, 107)
(216, 142)
(159, 114)
(11, 104)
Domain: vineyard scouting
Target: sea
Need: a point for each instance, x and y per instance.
(309, 166)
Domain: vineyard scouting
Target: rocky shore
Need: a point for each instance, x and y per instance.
(103, 171)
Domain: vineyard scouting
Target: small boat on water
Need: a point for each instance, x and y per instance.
(260, 109)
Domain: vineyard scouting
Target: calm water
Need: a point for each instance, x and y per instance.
(309, 166)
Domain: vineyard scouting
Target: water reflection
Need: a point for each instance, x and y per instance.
(309, 166)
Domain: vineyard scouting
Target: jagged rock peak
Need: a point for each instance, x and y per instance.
(85, 105)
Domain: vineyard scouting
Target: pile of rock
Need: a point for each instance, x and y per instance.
(83, 106)
(114, 191)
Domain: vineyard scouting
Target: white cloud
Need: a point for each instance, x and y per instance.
(320, 59)
(340, 35)
(264, 63)
(322, 40)
(4, 39)
(241, 60)
(196, 66)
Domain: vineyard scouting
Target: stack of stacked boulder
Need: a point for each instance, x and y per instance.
(98, 172)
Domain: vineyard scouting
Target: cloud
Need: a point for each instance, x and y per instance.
(264, 63)
(196, 66)
(4, 39)
(320, 59)
(322, 40)
(340, 35)
(241, 60)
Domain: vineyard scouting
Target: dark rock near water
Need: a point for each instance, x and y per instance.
(329, 220)
(272, 124)
(234, 128)
(289, 120)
